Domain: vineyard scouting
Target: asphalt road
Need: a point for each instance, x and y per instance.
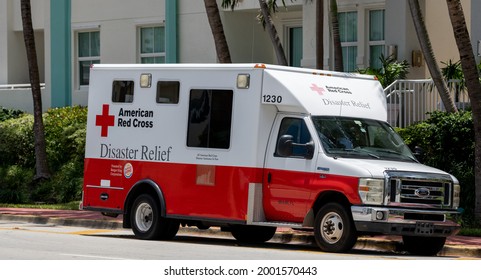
(86, 253)
(25, 241)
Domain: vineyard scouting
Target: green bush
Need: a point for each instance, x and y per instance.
(65, 130)
(448, 144)
(16, 142)
(6, 114)
(15, 184)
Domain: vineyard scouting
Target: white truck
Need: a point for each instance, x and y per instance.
(253, 147)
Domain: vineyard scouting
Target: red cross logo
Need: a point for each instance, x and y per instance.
(105, 120)
(319, 90)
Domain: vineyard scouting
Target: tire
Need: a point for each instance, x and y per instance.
(252, 234)
(334, 229)
(423, 246)
(147, 223)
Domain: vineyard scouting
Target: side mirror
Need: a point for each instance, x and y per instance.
(419, 153)
(310, 150)
(284, 146)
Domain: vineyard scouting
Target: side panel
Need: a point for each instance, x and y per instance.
(196, 182)
(215, 192)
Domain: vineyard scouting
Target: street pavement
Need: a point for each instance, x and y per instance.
(464, 246)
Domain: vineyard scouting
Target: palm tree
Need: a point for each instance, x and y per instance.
(336, 37)
(221, 47)
(266, 20)
(272, 31)
(473, 85)
(41, 163)
(428, 53)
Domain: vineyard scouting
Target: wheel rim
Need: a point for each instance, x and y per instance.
(144, 217)
(332, 227)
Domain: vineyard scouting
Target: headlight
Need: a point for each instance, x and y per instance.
(456, 195)
(371, 191)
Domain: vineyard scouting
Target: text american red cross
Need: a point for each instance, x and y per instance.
(105, 120)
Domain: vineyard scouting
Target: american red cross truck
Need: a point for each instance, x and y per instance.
(252, 147)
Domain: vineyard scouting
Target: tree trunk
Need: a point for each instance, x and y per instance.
(426, 48)
(471, 75)
(41, 163)
(319, 34)
(336, 37)
(271, 29)
(221, 47)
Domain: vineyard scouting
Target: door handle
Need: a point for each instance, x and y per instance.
(269, 178)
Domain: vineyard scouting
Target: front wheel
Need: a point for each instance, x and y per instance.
(334, 229)
(424, 246)
(147, 222)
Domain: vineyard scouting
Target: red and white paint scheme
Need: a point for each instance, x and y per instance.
(253, 147)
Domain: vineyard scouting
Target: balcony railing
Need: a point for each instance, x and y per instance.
(411, 101)
(19, 86)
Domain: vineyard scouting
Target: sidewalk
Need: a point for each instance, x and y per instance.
(464, 246)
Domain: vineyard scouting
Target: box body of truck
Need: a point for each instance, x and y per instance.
(252, 147)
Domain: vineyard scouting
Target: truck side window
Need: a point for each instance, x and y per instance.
(167, 92)
(123, 91)
(296, 128)
(210, 116)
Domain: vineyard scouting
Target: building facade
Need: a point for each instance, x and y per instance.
(72, 34)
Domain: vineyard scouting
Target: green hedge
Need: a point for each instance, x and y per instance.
(65, 130)
(448, 144)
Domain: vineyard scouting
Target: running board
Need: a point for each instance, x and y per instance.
(277, 224)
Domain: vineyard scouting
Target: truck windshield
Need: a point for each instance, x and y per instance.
(360, 138)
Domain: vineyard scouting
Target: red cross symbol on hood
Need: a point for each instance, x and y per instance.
(105, 120)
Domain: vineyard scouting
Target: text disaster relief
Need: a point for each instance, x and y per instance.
(253, 147)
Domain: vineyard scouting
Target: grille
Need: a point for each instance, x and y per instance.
(420, 188)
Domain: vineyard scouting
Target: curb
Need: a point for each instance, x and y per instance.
(363, 243)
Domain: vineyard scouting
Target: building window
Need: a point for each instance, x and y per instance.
(376, 38)
(152, 44)
(295, 46)
(348, 34)
(88, 54)
(210, 117)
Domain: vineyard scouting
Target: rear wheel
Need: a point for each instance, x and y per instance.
(424, 246)
(147, 222)
(334, 229)
(252, 234)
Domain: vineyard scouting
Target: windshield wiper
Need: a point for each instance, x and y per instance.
(362, 151)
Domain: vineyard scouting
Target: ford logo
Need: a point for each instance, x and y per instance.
(422, 192)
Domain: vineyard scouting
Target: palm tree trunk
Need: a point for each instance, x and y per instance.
(425, 43)
(471, 75)
(41, 163)
(221, 47)
(336, 37)
(271, 29)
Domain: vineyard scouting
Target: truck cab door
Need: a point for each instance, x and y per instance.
(290, 161)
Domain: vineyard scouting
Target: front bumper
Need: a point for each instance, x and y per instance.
(405, 221)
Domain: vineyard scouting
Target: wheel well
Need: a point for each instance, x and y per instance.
(330, 196)
(143, 187)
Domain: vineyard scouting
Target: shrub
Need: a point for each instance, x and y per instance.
(6, 114)
(65, 130)
(15, 184)
(448, 143)
(16, 142)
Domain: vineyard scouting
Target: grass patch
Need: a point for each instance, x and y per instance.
(74, 205)
(476, 232)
